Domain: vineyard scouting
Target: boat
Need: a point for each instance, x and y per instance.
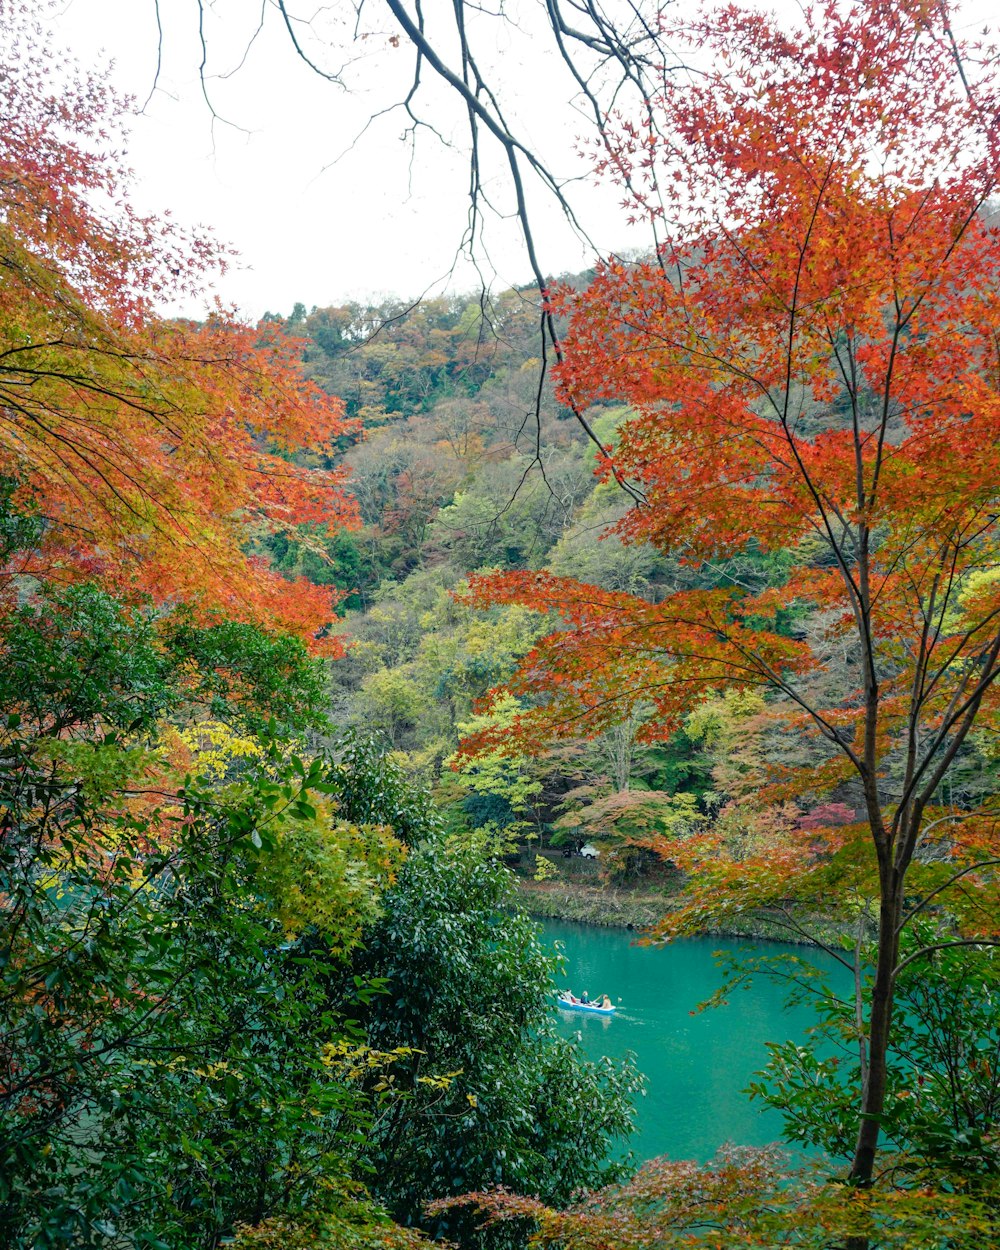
(567, 1005)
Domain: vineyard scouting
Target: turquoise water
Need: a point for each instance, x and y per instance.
(696, 1065)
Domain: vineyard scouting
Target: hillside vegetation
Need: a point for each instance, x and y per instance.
(310, 628)
(468, 465)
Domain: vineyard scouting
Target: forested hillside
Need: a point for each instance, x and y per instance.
(311, 628)
(467, 464)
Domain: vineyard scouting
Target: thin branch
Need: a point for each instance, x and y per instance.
(980, 943)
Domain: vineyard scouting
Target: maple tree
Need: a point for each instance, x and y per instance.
(149, 451)
(811, 359)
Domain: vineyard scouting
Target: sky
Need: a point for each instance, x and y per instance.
(317, 214)
(323, 199)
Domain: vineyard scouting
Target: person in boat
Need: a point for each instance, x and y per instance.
(585, 998)
(604, 1002)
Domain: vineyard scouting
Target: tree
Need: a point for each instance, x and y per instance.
(496, 1098)
(812, 362)
(499, 788)
(149, 451)
(942, 1111)
(514, 513)
(631, 826)
(391, 703)
(167, 942)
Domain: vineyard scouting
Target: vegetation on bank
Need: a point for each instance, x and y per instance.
(263, 973)
(591, 905)
(640, 911)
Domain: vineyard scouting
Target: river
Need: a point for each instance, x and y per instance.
(696, 1065)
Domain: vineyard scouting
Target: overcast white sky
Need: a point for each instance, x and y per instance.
(310, 226)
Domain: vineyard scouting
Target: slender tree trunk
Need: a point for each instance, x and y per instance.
(879, 1026)
(879, 1033)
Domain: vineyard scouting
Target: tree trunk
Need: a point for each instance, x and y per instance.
(879, 1026)
(879, 1032)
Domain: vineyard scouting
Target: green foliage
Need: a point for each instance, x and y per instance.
(20, 527)
(370, 788)
(514, 514)
(495, 775)
(162, 1039)
(218, 1108)
(469, 988)
(245, 675)
(162, 1042)
(392, 703)
(340, 1221)
(678, 764)
(326, 875)
(397, 359)
(545, 870)
(586, 553)
(463, 654)
(943, 1109)
(79, 658)
(323, 559)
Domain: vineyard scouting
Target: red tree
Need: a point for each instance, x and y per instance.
(151, 451)
(813, 364)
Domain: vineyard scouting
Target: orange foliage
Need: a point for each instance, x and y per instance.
(152, 451)
(813, 363)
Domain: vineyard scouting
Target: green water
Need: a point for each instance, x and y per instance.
(696, 1065)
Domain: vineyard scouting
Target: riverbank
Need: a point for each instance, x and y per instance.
(594, 905)
(609, 908)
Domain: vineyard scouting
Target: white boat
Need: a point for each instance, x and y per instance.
(567, 1004)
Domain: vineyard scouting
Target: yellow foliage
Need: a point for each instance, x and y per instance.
(218, 751)
(329, 873)
(545, 869)
(317, 870)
